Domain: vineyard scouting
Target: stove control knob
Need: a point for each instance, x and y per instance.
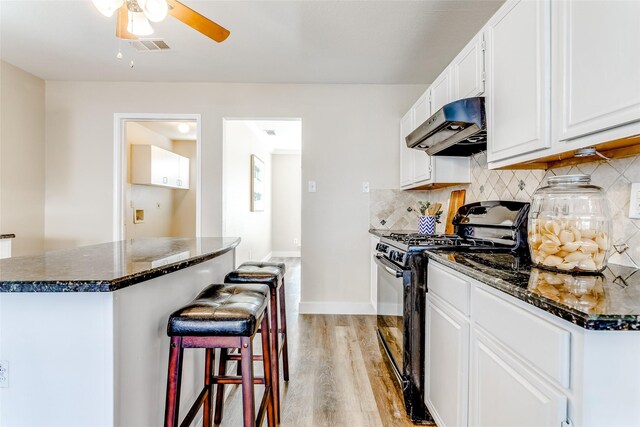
(381, 247)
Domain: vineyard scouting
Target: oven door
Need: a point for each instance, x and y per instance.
(389, 311)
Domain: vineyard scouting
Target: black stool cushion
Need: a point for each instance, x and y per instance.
(221, 310)
(263, 273)
(279, 265)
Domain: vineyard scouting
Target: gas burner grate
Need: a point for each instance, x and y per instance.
(426, 239)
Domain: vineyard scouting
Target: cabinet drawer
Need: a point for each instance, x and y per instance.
(449, 287)
(541, 343)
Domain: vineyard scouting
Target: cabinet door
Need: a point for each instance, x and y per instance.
(163, 166)
(596, 66)
(441, 91)
(446, 364)
(518, 83)
(503, 394)
(421, 161)
(373, 270)
(183, 172)
(406, 160)
(468, 70)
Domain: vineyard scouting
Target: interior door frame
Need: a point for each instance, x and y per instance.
(119, 176)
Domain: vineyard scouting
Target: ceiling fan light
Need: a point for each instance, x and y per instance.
(107, 7)
(155, 10)
(139, 24)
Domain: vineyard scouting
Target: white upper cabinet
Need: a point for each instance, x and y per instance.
(183, 172)
(468, 70)
(421, 161)
(417, 169)
(518, 81)
(596, 66)
(151, 165)
(406, 159)
(441, 91)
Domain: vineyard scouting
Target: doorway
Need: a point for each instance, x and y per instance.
(158, 178)
(268, 220)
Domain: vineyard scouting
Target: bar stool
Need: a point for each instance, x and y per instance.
(222, 316)
(271, 274)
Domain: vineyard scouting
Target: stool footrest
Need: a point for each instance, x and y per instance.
(234, 379)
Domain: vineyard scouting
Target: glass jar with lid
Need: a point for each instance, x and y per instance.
(570, 225)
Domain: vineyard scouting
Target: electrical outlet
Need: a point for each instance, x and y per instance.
(634, 201)
(4, 374)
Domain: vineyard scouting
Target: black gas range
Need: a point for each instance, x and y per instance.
(491, 226)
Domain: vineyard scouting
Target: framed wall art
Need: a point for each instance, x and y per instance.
(257, 184)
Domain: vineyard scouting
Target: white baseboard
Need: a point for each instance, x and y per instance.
(336, 308)
(267, 257)
(285, 254)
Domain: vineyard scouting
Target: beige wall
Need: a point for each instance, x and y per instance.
(184, 201)
(253, 227)
(350, 135)
(22, 158)
(286, 220)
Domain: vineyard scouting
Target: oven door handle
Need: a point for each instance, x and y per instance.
(388, 266)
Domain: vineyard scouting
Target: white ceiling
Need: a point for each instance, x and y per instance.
(363, 41)
(170, 129)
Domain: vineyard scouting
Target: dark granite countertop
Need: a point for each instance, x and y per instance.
(109, 266)
(610, 301)
(7, 236)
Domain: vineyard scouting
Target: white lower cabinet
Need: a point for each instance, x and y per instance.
(503, 393)
(447, 361)
(481, 370)
(373, 271)
(493, 360)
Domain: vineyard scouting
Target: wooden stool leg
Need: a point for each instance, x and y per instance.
(248, 405)
(174, 375)
(222, 370)
(208, 366)
(275, 347)
(283, 330)
(266, 366)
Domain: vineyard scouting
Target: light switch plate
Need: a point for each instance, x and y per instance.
(312, 186)
(634, 201)
(365, 187)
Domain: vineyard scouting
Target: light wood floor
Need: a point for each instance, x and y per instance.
(337, 374)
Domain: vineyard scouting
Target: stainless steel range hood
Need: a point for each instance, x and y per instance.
(457, 129)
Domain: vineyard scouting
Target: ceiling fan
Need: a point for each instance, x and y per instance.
(134, 16)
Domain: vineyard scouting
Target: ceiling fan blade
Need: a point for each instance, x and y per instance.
(121, 25)
(197, 22)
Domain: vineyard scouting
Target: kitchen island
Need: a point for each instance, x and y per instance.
(83, 331)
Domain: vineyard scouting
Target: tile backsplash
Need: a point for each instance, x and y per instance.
(388, 208)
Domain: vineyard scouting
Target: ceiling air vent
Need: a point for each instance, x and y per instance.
(270, 132)
(149, 45)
